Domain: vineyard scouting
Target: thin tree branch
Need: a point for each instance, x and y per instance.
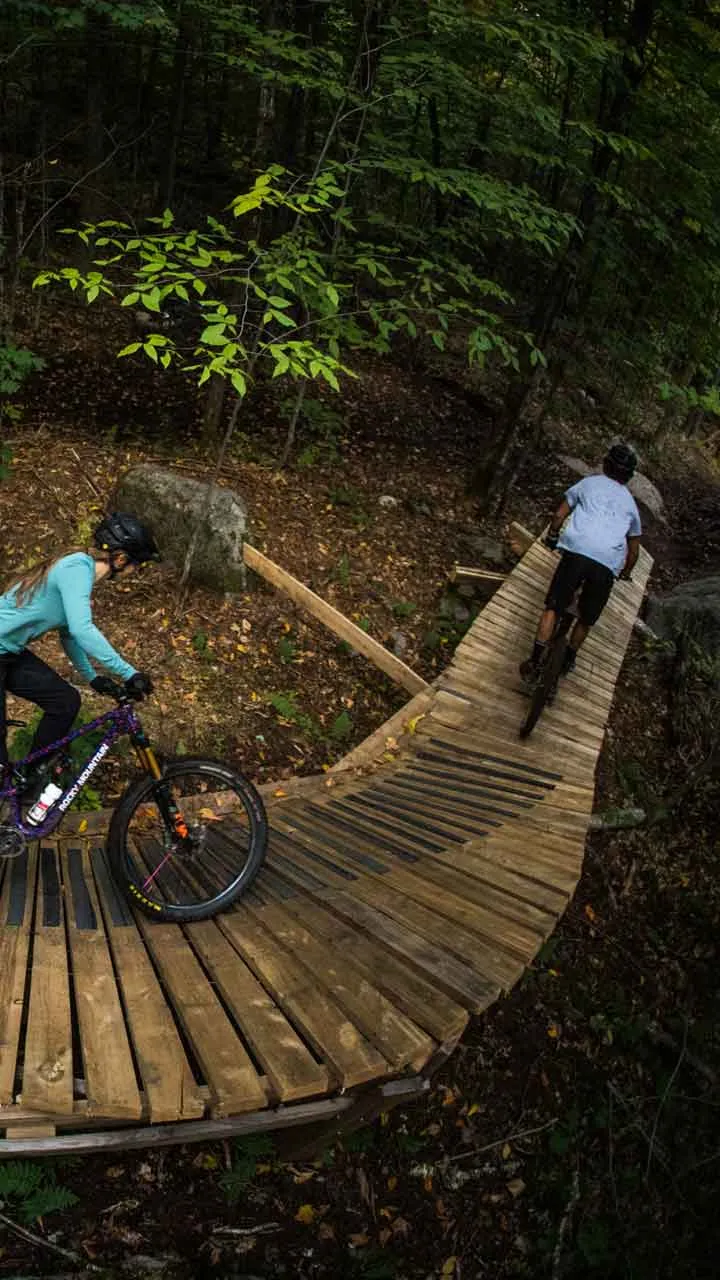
(120, 146)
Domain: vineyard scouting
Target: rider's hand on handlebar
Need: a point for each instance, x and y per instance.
(103, 684)
(626, 576)
(139, 685)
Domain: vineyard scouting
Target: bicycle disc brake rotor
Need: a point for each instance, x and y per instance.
(12, 842)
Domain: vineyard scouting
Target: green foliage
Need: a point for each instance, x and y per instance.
(342, 570)
(247, 1153)
(286, 706)
(201, 644)
(341, 727)
(5, 461)
(320, 426)
(403, 608)
(287, 650)
(30, 1191)
(16, 365)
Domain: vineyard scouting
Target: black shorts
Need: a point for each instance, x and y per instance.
(595, 579)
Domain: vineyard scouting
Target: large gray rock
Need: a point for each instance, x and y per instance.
(642, 489)
(172, 504)
(693, 607)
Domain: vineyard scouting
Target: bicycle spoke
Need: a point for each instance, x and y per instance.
(179, 869)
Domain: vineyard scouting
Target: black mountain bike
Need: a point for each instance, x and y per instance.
(545, 682)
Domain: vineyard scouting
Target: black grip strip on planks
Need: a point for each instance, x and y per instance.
(520, 766)
(120, 913)
(85, 917)
(313, 855)
(18, 890)
(50, 888)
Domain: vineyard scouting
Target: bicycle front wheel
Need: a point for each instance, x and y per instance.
(187, 845)
(546, 683)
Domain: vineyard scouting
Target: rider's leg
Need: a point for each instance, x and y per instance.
(595, 594)
(545, 630)
(579, 634)
(566, 580)
(28, 677)
(3, 711)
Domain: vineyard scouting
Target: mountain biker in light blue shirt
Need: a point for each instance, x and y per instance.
(597, 528)
(55, 596)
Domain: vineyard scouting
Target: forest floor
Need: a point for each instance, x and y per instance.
(576, 1131)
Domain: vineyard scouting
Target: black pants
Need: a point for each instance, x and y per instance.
(28, 677)
(575, 571)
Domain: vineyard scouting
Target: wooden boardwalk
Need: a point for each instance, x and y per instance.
(397, 900)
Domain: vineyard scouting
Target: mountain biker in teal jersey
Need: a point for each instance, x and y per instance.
(599, 543)
(55, 596)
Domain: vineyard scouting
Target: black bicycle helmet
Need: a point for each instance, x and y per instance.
(123, 532)
(620, 462)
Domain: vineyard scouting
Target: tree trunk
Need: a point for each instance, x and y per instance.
(97, 38)
(181, 61)
(615, 109)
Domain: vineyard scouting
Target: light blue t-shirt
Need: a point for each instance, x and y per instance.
(62, 603)
(604, 515)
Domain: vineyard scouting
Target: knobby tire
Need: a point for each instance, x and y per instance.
(131, 875)
(548, 678)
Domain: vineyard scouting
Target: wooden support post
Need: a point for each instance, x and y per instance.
(465, 573)
(334, 620)
(520, 538)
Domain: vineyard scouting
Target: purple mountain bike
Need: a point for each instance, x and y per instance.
(185, 839)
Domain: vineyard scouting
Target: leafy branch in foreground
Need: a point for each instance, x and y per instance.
(291, 306)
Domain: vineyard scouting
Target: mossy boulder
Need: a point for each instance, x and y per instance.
(172, 504)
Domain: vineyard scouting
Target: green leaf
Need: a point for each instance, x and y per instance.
(129, 350)
(214, 335)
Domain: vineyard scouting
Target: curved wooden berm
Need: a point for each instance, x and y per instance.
(403, 892)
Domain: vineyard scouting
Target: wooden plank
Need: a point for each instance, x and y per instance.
(431, 1009)
(414, 934)
(233, 1081)
(334, 620)
(110, 1081)
(449, 973)
(396, 1037)
(168, 1082)
(47, 1078)
(290, 1067)
(491, 944)
(16, 906)
(351, 1058)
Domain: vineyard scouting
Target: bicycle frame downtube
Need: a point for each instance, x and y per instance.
(119, 721)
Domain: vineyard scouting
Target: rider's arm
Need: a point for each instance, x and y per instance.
(633, 551)
(80, 638)
(560, 516)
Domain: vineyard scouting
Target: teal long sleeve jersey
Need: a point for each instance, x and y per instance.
(62, 603)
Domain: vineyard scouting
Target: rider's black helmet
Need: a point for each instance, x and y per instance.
(122, 532)
(620, 462)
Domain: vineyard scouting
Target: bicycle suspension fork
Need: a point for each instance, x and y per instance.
(172, 817)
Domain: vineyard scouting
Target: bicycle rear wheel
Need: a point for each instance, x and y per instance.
(546, 682)
(186, 846)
